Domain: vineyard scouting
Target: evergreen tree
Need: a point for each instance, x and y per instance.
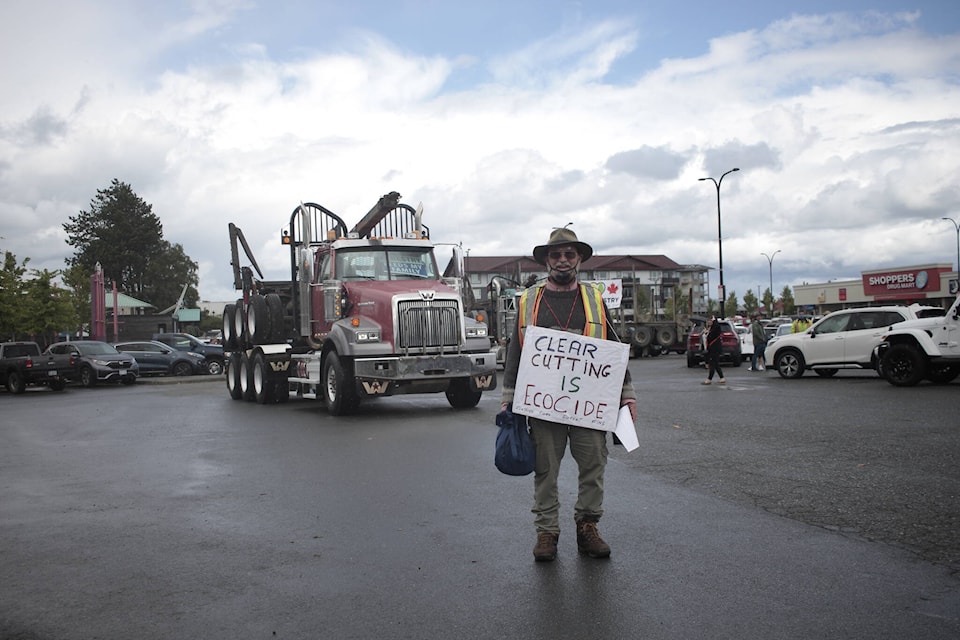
(48, 309)
(12, 305)
(750, 303)
(121, 232)
(789, 306)
(769, 302)
(731, 305)
(167, 274)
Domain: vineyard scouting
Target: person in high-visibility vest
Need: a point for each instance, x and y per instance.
(563, 303)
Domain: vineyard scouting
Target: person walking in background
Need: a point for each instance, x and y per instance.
(759, 344)
(562, 303)
(714, 348)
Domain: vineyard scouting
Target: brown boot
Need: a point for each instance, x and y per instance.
(589, 540)
(546, 548)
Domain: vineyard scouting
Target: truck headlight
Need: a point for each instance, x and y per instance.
(477, 332)
(368, 336)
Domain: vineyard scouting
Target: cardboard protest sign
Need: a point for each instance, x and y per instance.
(570, 379)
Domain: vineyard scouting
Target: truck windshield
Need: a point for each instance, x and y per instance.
(385, 264)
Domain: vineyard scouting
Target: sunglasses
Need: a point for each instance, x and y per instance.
(556, 255)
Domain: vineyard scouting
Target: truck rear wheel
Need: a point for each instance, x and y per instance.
(643, 336)
(264, 391)
(258, 322)
(16, 382)
(233, 376)
(666, 336)
(238, 322)
(904, 366)
(229, 334)
(58, 385)
(338, 388)
(461, 396)
(246, 378)
(275, 316)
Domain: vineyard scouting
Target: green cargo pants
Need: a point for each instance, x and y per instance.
(589, 449)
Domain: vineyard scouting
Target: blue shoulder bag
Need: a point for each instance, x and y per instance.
(515, 454)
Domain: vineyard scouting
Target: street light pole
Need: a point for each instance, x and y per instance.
(723, 290)
(957, 225)
(770, 264)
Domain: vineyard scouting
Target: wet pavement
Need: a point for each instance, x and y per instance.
(166, 510)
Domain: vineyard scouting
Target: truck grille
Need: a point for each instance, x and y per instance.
(428, 324)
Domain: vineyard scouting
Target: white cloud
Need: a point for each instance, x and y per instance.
(844, 128)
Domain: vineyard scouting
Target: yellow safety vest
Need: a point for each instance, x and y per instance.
(593, 308)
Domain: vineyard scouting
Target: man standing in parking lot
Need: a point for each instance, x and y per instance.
(562, 303)
(714, 348)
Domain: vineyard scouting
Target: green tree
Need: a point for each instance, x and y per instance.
(750, 303)
(48, 308)
(731, 306)
(12, 296)
(166, 275)
(789, 306)
(121, 232)
(768, 302)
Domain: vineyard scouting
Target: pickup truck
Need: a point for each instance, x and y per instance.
(22, 364)
(925, 348)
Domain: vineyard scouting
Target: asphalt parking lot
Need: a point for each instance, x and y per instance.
(851, 453)
(764, 508)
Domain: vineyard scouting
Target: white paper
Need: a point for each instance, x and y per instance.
(626, 430)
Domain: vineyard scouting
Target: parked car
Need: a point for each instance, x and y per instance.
(842, 340)
(98, 362)
(729, 340)
(745, 334)
(778, 332)
(214, 336)
(157, 358)
(212, 353)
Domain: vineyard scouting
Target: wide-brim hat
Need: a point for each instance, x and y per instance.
(562, 237)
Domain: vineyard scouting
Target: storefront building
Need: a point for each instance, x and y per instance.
(929, 284)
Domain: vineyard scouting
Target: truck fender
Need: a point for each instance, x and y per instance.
(918, 338)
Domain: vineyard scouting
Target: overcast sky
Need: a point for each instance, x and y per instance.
(504, 119)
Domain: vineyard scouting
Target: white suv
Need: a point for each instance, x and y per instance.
(841, 340)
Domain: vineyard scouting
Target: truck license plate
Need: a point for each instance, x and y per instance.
(52, 373)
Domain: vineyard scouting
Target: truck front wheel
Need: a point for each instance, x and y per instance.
(338, 388)
(460, 396)
(904, 366)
